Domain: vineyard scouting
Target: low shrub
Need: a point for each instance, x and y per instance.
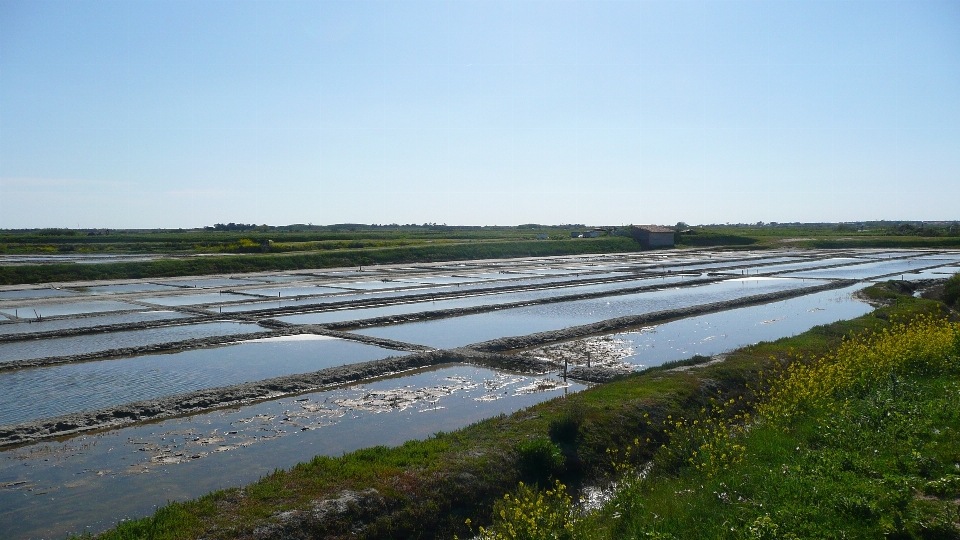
(951, 290)
(539, 459)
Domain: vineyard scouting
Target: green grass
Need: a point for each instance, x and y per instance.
(430, 487)
(420, 253)
(887, 466)
(860, 440)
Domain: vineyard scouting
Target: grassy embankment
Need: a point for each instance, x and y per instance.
(430, 488)
(860, 442)
(822, 236)
(420, 253)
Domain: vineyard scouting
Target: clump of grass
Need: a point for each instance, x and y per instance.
(539, 459)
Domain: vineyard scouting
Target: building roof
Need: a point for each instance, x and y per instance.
(654, 228)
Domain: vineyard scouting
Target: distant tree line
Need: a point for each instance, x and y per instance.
(233, 227)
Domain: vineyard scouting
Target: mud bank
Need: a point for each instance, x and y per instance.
(620, 323)
(247, 393)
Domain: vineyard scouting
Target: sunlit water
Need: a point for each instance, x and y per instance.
(467, 329)
(90, 343)
(89, 483)
(716, 333)
(46, 325)
(74, 308)
(865, 271)
(472, 301)
(31, 394)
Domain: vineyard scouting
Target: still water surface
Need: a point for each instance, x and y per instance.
(85, 322)
(467, 329)
(88, 483)
(25, 394)
(23, 350)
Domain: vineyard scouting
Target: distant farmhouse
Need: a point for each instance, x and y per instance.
(652, 236)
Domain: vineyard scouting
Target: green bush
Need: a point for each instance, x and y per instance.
(539, 459)
(951, 291)
(566, 427)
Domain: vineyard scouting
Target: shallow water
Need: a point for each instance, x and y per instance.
(194, 299)
(716, 333)
(940, 272)
(424, 289)
(458, 331)
(951, 257)
(124, 288)
(211, 283)
(370, 285)
(84, 322)
(888, 254)
(803, 265)
(22, 350)
(673, 267)
(284, 279)
(88, 483)
(864, 271)
(471, 301)
(76, 308)
(303, 290)
(34, 293)
(25, 394)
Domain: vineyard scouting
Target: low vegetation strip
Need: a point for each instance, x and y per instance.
(195, 266)
(430, 488)
(860, 442)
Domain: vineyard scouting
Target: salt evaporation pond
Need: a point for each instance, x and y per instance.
(34, 293)
(864, 271)
(940, 272)
(470, 301)
(459, 331)
(715, 333)
(75, 308)
(85, 322)
(721, 264)
(124, 288)
(88, 483)
(194, 299)
(303, 290)
(558, 284)
(950, 257)
(212, 283)
(26, 394)
(90, 343)
(806, 265)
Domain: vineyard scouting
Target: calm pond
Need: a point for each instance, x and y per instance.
(88, 483)
(458, 331)
(26, 394)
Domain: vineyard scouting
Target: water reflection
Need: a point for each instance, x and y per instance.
(26, 394)
(89, 483)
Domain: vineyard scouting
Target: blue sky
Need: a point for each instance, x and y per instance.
(183, 114)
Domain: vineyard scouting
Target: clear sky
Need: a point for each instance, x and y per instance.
(183, 114)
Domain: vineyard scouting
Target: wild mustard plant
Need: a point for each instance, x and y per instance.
(529, 514)
(924, 346)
